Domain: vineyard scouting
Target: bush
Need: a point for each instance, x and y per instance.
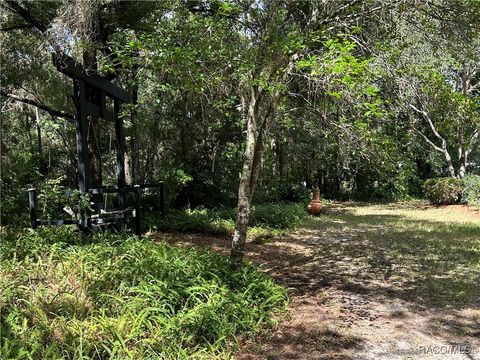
(197, 220)
(471, 190)
(53, 197)
(283, 192)
(280, 216)
(443, 191)
(127, 298)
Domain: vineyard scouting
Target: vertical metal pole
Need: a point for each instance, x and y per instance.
(82, 145)
(136, 193)
(120, 144)
(162, 199)
(82, 141)
(32, 206)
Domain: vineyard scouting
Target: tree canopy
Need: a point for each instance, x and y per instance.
(237, 102)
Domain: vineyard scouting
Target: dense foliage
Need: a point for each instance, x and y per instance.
(265, 217)
(373, 97)
(252, 103)
(471, 190)
(443, 191)
(447, 191)
(118, 298)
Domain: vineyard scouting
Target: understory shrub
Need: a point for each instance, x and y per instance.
(119, 297)
(279, 216)
(197, 220)
(443, 191)
(471, 190)
(283, 192)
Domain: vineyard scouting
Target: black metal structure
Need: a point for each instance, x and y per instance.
(90, 93)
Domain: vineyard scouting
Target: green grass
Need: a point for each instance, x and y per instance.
(428, 256)
(119, 297)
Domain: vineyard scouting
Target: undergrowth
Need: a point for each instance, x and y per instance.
(119, 297)
(266, 218)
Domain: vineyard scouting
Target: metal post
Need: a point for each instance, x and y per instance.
(82, 145)
(82, 141)
(162, 198)
(136, 194)
(32, 205)
(120, 143)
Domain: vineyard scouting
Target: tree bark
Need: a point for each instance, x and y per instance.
(183, 126)
(128, 172)
(244, 188)
(278, 165)
(135, 138)
(252, 160)
(451, 169)
(89, 57)
(42, 168)
(466, 152)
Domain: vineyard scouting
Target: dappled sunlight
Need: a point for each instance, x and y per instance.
(395, 279)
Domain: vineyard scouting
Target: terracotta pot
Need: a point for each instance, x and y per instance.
(315, 206)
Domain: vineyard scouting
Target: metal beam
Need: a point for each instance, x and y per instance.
(57, 222)
(120, 147)
(96, 111)
(70, 67)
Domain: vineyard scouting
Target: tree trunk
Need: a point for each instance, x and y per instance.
(462, 171)
(451, 169)
(41, 163)
(128, 172)
(279, 157)
(462, 159)
(183, 126)
(134, 140)
(28, 129)
(244, 188)
(252, 161)
(89, 57)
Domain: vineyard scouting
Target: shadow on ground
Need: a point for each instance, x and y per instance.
(375, 268)
(302, 342)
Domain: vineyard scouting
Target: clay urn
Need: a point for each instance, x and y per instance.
(315, 206)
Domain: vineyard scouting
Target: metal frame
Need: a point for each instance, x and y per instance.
(119, 216)
(90, 92)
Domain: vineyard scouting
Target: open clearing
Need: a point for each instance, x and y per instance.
(395, 281)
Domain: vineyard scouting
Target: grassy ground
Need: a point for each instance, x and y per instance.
(368, 281)
(119, 297)
(427, 253)
(390, 281)
(385, 281)
(267, 220)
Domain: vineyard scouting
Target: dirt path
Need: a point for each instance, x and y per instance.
(362, 289)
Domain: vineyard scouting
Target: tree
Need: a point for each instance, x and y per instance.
(437, 78)
(277, 36)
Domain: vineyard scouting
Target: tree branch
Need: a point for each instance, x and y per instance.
(430, 122)
(26, 15)
(43, 107)
(472, 142)
(337, 12)
(430, 142)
